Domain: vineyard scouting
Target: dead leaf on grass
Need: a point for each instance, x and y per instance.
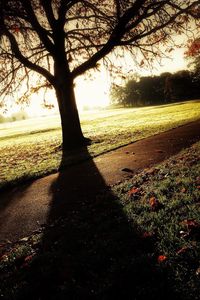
(162, 258)
(133, 191)
(147, 234)
(154, 203)
(190, 223)
(29, 258)
(26, 260)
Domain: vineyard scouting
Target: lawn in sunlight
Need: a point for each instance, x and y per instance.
(30, 148)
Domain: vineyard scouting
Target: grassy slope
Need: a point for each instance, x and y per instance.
(164, 204)
(144, 242)
(31, 150)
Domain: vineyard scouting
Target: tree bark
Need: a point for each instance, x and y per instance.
(71, 129)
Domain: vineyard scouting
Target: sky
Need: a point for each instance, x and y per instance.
(93, 93)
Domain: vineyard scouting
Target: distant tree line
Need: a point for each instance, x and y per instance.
(21, 115)
(152, 90)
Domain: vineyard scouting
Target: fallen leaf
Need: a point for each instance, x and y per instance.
(133, 191)
(161, 258)
(28, 258)
(154, 203)
(142, 63)
(190, 223)
(147, 234)
(16, 29)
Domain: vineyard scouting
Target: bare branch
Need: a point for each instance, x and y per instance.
(77, 34)
(17, 53)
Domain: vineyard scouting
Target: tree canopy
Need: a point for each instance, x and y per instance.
(62, 39)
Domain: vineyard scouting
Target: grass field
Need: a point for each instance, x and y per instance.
(29, 148)
(139, 240)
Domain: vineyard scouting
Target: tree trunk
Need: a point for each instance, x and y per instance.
(71, 129)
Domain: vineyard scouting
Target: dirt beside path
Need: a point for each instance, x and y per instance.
(25, 208)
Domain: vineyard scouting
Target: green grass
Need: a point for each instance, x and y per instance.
(164, 204)
(140, 240)
(29, 148)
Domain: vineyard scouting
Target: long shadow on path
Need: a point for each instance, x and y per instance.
(17, 211)
(23, 209)
(90, 250)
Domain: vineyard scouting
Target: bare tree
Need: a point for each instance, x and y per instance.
(62, 39)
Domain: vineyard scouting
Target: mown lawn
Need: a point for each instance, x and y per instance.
(31, 148)
(139, 240)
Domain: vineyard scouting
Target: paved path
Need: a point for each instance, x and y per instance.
(25, 208)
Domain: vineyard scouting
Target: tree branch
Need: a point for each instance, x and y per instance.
(25, 61)
(42, 33)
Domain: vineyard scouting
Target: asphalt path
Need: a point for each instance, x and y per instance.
(27, 207)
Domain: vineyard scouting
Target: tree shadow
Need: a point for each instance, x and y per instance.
(89, 249)
(11, 207)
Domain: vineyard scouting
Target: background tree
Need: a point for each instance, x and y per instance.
(126, 95)
(117, 95)
(153, 90)
(181, 85)
(62, 39)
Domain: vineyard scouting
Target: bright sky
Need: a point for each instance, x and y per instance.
(89, 94)
(95, 93)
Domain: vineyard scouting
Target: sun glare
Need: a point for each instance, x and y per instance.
(90, 94)
(38, 100)
(93, 93)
